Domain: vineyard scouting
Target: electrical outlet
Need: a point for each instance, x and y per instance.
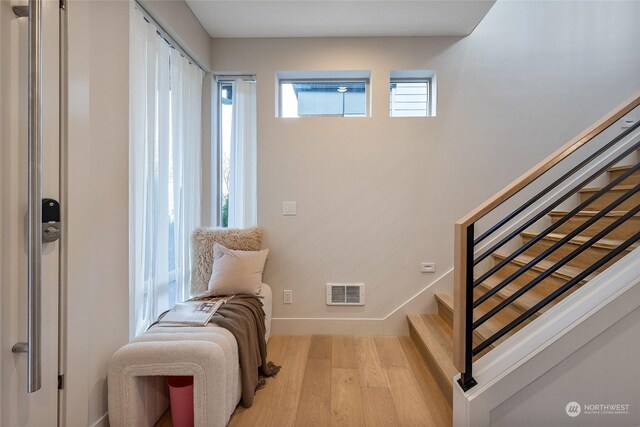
(287, 296)
(428, 267)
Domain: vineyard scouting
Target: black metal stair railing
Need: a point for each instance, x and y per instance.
(557, 203)
(559, 264)
(540, 267)
(555, 246)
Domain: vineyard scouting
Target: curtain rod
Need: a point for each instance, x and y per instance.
(167, 38)
(229, 77)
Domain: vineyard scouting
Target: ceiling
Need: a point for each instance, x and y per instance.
(339, 18)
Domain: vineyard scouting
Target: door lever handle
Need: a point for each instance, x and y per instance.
(21, 347)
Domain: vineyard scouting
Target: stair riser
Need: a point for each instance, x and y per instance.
(490, 303)
(445, 312)
(481, 333)
(609, 197)
(521, 304)
(584, 260)
(622, 232)
(545, 287)
(445, 384)
(633, 179)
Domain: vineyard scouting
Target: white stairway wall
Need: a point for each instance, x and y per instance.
(557, 352)
(604, 371)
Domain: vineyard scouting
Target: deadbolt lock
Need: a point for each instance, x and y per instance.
(51, 228)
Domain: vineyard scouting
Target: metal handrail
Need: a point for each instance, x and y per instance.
(552, 206)
(555, 225)
(553, 185)
(555, 158)
(466, 260)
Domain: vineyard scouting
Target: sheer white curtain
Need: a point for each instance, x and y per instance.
(164, 172)
(243, 164)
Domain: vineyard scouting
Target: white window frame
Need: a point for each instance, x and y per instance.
(220, 81)
(289, 77)
(217, 181)
(415, 76)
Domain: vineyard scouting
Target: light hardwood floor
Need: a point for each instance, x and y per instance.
(345, 381)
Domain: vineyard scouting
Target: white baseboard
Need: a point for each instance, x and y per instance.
(103, 421)
(394, 323)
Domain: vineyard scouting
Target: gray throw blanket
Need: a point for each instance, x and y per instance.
(243, 316)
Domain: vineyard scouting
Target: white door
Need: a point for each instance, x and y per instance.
(17, 406)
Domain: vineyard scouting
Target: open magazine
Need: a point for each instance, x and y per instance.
(191, 313)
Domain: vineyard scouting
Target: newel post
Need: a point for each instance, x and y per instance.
(463, 304)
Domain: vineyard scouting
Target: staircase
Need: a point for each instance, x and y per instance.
(433, 334)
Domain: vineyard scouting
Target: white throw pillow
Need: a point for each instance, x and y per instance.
(236, 272)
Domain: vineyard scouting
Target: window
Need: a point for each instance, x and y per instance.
(411, 94)
(236, 152)
(164, 161)
(225, 106)
(323, 94)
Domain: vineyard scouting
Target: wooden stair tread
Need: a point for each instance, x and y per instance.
(620, 168)
(565, 272)
(492, 325)
(522, 303)
(435, 339)
(444, 332)
(446, 299)
(616, 188)
(588, 213)
(609, 244)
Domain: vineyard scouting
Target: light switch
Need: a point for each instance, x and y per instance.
(288, 208)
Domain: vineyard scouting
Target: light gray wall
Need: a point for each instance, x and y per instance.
(376, 196)
(97, 189)
(95, 199)
(178, 20)
(603, 372)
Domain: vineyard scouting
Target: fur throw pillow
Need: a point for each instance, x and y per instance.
(202, 241)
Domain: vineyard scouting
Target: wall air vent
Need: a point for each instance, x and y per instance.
(345, 293)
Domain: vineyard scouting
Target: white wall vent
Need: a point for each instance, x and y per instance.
(345, 293)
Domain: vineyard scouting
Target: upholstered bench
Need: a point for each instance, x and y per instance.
(138, 392)
(137, 385)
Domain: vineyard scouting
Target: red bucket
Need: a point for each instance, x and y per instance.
(181, 397)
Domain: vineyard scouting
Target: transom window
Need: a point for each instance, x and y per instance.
(323, 94)
(411, 94)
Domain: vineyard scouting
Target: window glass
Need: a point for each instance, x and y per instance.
(328, 98)
(409, 97)
(225, 120)
(236, 163)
